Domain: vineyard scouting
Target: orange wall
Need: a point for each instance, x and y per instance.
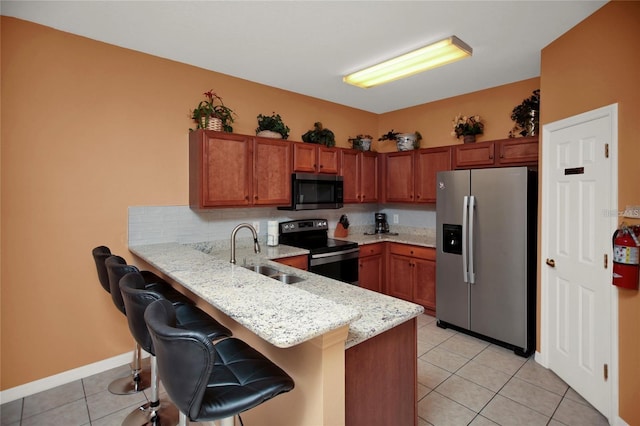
(88, 130)
(434, 120)
(593, 65)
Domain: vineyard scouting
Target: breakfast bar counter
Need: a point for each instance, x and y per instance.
(331, 337)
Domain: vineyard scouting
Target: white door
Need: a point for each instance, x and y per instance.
(579, 215)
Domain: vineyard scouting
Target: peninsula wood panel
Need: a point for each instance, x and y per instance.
(381, 379)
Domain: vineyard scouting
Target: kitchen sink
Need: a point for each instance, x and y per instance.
(270, 272)
(262, 269)
(287, 278)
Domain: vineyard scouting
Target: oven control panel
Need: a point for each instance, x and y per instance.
(304, 225)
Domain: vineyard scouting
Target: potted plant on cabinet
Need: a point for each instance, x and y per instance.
(467, 127)
(272, 126)
(361, 142)
(213, 114)
(320, 135)
(526, 116)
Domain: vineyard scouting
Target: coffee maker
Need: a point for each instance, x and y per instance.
(382, 226)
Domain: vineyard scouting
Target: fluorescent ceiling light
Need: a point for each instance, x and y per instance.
(434, 55)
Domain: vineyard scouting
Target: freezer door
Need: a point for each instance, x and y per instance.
(452, 293)
(498, 297)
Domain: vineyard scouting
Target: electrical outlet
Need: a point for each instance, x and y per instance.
(257, 226)
(396, 218)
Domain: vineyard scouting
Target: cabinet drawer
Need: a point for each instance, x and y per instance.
(427, 253)
(371, 249)
(300, 262)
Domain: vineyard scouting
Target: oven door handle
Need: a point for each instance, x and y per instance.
(339, 254)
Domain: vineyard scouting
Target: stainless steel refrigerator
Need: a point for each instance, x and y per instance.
(486, 254)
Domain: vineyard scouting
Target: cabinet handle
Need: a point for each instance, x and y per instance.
(490, 156)
(255, 198)
(321, 166)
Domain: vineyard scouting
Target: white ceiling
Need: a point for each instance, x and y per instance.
(307, 46)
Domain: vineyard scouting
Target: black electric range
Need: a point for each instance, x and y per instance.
(329, 257)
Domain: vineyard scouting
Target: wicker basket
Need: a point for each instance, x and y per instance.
(211, 123)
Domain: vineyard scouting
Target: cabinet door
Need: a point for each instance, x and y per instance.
(518, 151)
(399, 177)
(304, 157)
(328, 160)
(219, 169)
(371, 273)
(271, 171)
(472, 155)
(428, 162)
(399, 277)
(425, 284)
(369, 177)
(350, 172)
(371, 267)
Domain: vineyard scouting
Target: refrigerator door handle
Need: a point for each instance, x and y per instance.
(472, 208)
(465, 211)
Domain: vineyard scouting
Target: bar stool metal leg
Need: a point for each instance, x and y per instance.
(156, 412)
(139, 380)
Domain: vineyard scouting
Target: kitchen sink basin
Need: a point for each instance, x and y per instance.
(287, 278)
(262, 269)
(274, 273)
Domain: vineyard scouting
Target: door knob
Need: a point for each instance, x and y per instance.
(551, 263)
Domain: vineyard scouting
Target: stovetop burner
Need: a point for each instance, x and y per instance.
(312, 235)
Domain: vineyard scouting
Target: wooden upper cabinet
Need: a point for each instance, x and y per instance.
(472, 155)
(231, 170)
(428, 162)
(498, 153)
(359, 171)
(220, 172)
(517, 151)
(350, 172)
(312, 158)
(369, 177)
(398, 169)
(271, 172)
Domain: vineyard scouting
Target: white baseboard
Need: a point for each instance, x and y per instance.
(66, 377)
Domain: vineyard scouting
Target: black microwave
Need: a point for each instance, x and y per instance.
(312, 191)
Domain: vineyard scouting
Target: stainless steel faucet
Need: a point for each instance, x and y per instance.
(256, 246)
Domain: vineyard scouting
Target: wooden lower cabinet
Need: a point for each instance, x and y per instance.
(371, 267)
(411, 274)
(381, 379)
(300, 262)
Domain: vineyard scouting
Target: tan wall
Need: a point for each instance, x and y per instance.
(434, 120)
(593, 65)
(89, 129)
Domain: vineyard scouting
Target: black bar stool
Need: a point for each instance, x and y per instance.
(136, 299)
(117, 268)
(138, 380)
(210, 382)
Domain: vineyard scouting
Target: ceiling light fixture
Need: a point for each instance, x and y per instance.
(434, 55)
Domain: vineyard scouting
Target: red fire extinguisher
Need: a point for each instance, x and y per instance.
(626, 257)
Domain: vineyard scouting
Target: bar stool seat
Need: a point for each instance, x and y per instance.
(210, 382)
(136, 298)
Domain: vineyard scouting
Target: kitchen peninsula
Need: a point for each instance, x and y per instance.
(344, 346)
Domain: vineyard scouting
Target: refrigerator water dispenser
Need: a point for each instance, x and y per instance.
(452, 236)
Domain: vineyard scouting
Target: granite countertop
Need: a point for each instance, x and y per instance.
(417, 239)
(282, 314)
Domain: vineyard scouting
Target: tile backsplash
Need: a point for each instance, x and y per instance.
(161, 224)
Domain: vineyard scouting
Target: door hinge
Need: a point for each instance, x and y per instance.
(606, 261)
(606, 150)
(606, 372)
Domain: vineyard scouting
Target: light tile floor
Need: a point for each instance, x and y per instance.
(461, 381)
